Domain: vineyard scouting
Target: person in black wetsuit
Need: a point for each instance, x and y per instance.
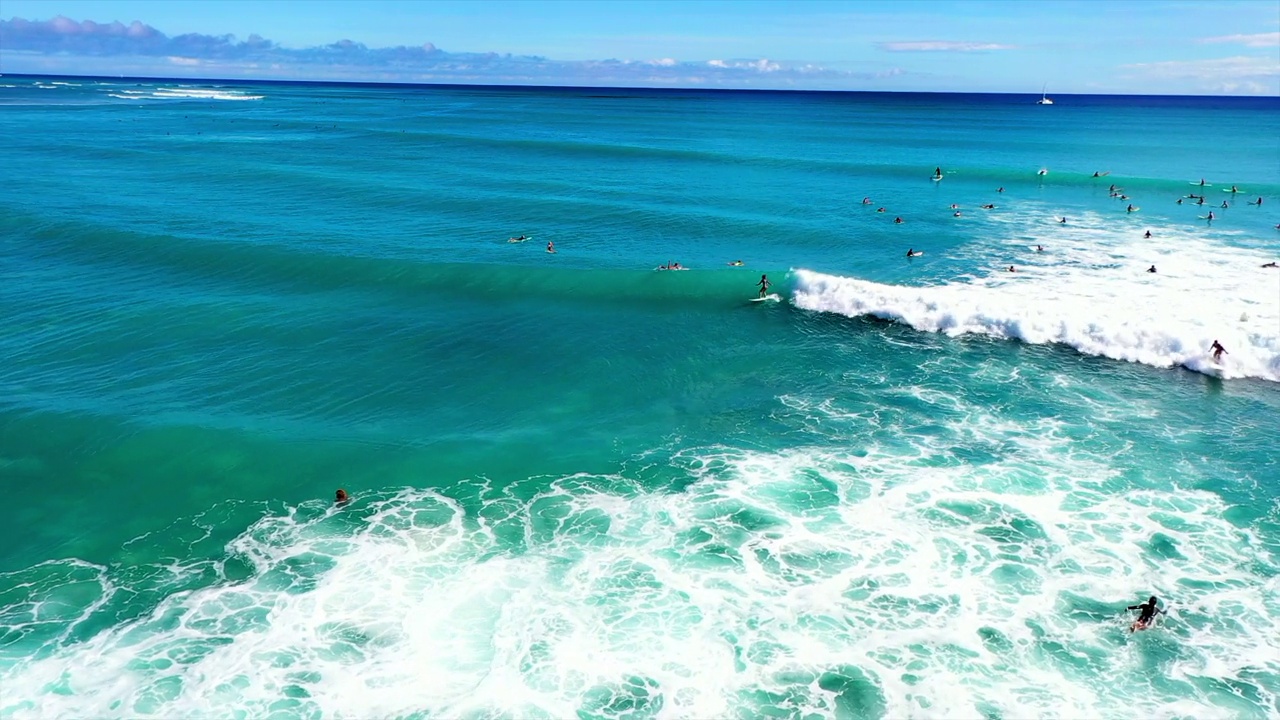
(1147, 616)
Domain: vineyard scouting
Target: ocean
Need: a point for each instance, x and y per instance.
(583, 486)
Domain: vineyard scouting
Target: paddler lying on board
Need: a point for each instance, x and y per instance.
(1148, 615)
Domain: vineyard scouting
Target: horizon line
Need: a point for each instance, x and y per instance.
(608, 87)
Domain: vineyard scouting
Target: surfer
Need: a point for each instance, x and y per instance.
(551, 247)
(1000, 189)
(897, 221)
(1210, 215)
(341, 497)
(1147, 235)
(1147, 616)
(1151, 269)
(910, 252)
(1257, 202)
(764, 285)
(1234, 190)
(879, 209)
(937, 172)
(1095, 174)
(1201, 182)
(522, 238)
(1179, 201)
(1063, 221)
(1011, 269)
(988, 206)
(1218, 351)
(736, 263)
(866, 201)
(956, 214)
(1271, 264)
(1225, 205)
(1131, 208)
(1043, 172)
(1039, 249)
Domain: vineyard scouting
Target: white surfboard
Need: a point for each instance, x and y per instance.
(916, 254)
(771, 297)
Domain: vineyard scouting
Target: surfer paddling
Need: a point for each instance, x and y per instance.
(764, 285)
(1149, 610)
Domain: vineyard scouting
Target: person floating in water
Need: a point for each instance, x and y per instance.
(1062, 221)
(910, 252)
(736, 263)
(1210, 215)
(1151, 269)
(1011, 269)
(897, 221)
(866, 201)
(341, 497)
(1218, 351)
(1257, 202)
(1179, 201)
(1039, 248)
(551, 247)
(764, 285)
(1147, 616)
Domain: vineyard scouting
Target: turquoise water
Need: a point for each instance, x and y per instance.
(920, 487)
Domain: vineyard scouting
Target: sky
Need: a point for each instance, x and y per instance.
(1087, 46)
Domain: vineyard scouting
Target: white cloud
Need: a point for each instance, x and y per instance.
(1243, 75)
(1256, 40)
(67, 46)
(942, 46)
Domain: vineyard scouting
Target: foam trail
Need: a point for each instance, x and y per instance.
(1090, 290)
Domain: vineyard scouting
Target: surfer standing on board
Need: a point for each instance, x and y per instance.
(1148, 615)
(1218, 351)
(764, 285)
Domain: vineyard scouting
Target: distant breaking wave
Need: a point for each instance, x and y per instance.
(1151, 331)
(163, 93)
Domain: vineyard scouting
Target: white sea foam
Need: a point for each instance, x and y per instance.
(183, 93)
(1090, 290)
(844, 583)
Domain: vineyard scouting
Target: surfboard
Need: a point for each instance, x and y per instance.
(771, 297)
(1205, 217)
(1135, 209)
(916, 254)
(935, 178)
(1201, 184)
(669, 269)
(518, 240)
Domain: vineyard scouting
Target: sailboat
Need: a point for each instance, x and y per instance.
(1044, 99)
